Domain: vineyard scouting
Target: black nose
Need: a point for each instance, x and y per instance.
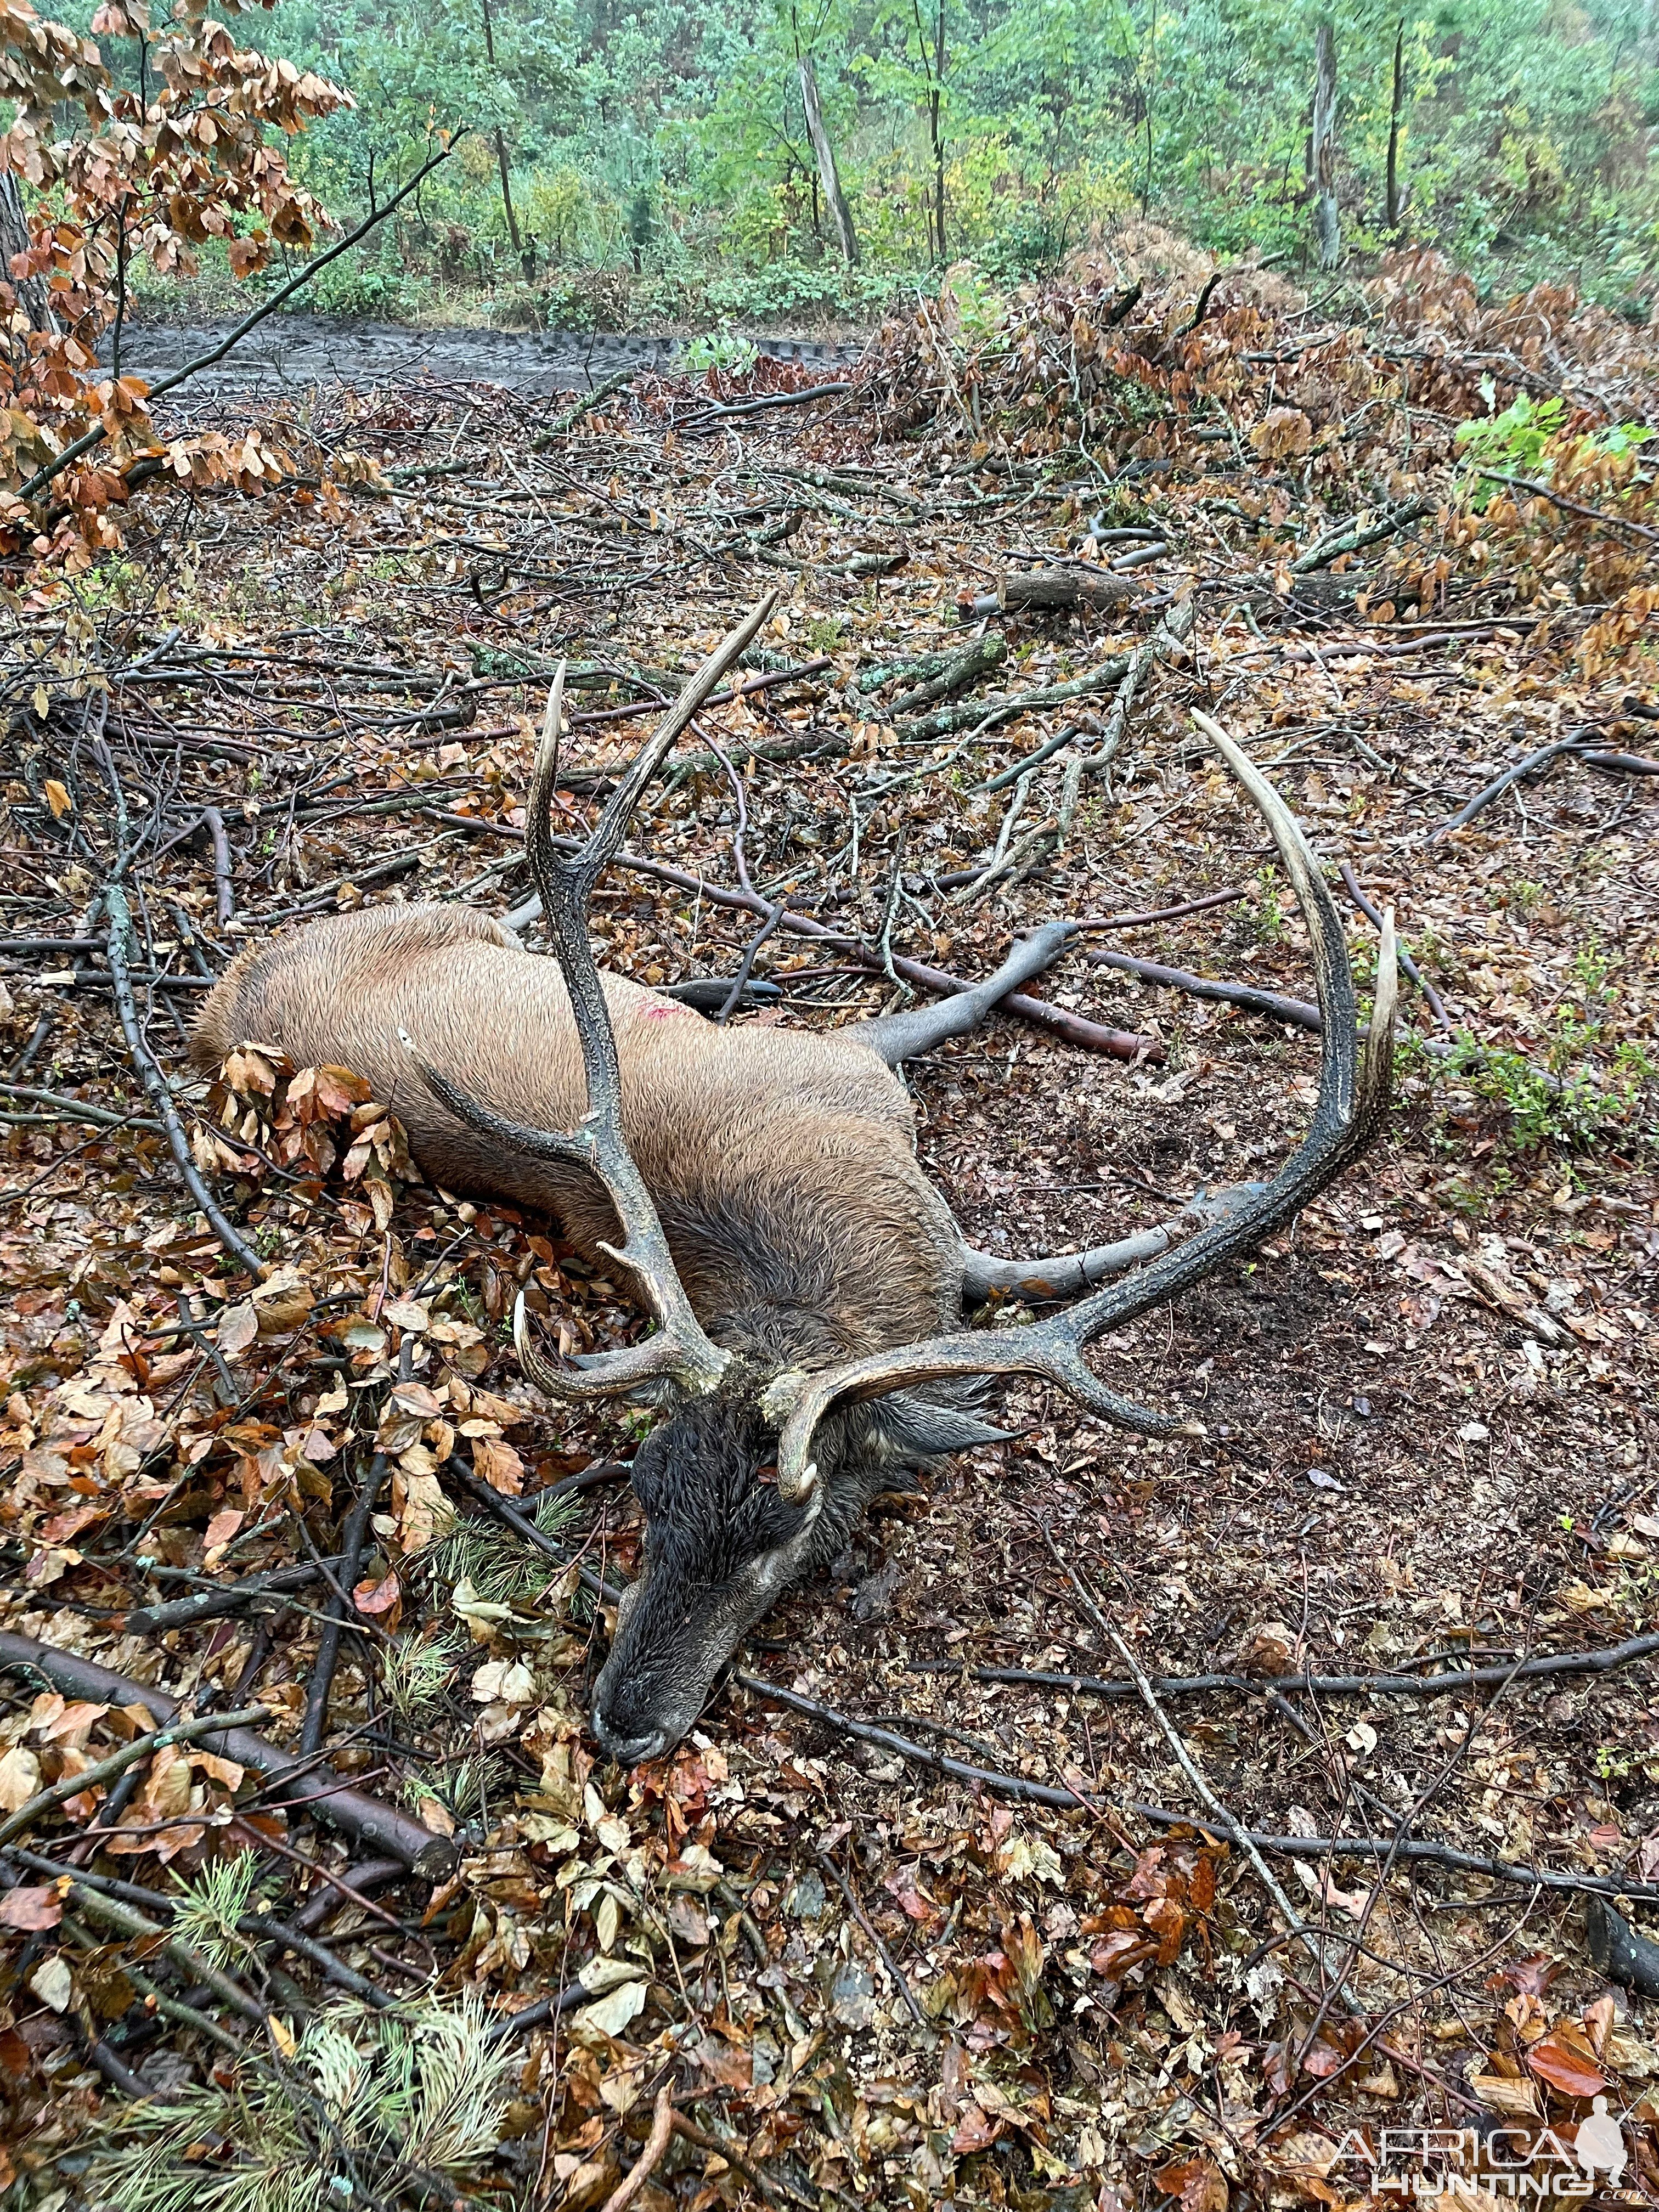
(627, 1742)
(630, 1750)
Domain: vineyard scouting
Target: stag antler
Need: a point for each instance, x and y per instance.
(679, 1349)
(1354, 1091)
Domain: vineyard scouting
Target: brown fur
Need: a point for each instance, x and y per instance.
(782, 1163)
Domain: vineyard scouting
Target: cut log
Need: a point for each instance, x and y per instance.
(1050, 591)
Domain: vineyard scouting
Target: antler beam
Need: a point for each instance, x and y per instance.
(1353, 1093)
(679, 1349)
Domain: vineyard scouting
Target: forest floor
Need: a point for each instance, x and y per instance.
(1396, 1600)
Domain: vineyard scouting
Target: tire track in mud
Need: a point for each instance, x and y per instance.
(296, 353)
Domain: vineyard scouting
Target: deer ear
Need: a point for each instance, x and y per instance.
(925, 1429)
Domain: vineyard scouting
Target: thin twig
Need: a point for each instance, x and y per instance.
(662, 2130)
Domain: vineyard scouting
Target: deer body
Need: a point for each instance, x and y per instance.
(782, 1162)
(759, 1188)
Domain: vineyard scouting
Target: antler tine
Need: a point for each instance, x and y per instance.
(679, 1349)
(1354, 1091)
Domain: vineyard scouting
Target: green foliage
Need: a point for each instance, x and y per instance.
(720, 350)
(1265, 919)
(1585, 1087)
(415, 1671)
(1569, 1108)
(206, 1912)
(1520, 441)
(661, 145)
(502, 1568)
(370, 2108)
(1515, 440)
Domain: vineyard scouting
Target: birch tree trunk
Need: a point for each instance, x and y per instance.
(1329, 224)
(840, 213)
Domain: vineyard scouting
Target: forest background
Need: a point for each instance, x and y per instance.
(631, 165)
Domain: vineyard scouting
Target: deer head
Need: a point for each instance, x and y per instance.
(758, 1468)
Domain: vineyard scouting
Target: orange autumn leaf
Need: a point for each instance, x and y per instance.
(380, 1600)
(1563, 2059)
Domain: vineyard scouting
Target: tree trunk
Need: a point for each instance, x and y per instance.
(1330, 229)
(840, 213)
(501, 142)
(15, 238)
(506, 194)
(1391, 210)
(939, 140)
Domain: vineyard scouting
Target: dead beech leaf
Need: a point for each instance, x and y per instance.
(1198, 2182)
(282, 1301)
(1304, 2161)
(239, 1328)
(1272, 1649)
(499, 1465)
(1528, 1977)
(382, 1600)
(1281, 432)
(1515, 2100)
(34, 1908)
(19, 1778)
(1563, 2059)
(57, 797)
(221, 1527)
(973, 2132)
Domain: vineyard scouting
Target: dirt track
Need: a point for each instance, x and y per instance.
(294, 352)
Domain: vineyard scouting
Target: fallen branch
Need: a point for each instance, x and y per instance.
(1369, 1686)
(746, 689)
(569, 417)
(353, 1812)
(1408, 966)
(1352, 538)
(215, 1604)
(1161, 913)
(831, 390)
(958, 670)
(74, 1110)
(115, 1913)
(1251, 996)
(1571, 506)
(118, 950)
(105, 1770)
(1296, 1926)
(1052, 591)
(1534, 764)
(1168, 639)
(1022, 1790)
(984, 714)
(328, 1643)
(895, 1972)
(662, 2130)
